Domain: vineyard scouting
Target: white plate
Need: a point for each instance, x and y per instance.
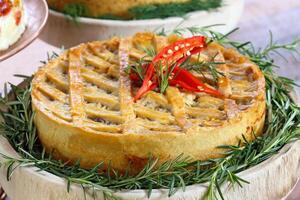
(37, 14)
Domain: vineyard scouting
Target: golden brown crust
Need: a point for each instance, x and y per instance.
(85, 112)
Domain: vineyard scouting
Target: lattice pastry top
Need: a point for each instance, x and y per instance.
(85, 110)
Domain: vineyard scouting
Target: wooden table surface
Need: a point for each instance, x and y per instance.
(260, 17)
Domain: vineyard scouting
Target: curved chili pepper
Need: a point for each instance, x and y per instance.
(188, 81)
(143, 90)
(183, 85)
(179, 49)
(168, 55)
(177, 53)
(134, 77)
(184, 76)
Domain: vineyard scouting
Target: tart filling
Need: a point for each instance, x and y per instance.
(12, 22)
(123, 99)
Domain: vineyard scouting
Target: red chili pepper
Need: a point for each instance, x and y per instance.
(196, 85)
(178, 50)
(134, 77)
(183, 85)
(145, 89)
(177, 53)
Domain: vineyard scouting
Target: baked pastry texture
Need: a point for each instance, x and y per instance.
(12, 22)
(84, 107)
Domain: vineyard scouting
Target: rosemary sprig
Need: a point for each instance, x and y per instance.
(211, 66)
(138, 67)
(150, 11)
(283, 115)
(75, 10)
(282, 127)
(50, 56)
(150, 51)
(164, 73)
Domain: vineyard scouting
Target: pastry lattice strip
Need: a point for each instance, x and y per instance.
(88, 86)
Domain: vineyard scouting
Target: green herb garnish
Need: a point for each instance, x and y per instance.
(149, 11)
(75, 10)
(210, 66)
(282, 127)
(172, 9)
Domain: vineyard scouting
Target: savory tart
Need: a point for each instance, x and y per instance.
(12, 22)
(131, 9)
(121, 100)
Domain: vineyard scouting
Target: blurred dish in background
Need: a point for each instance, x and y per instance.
(131, 9)
(63, 30)
(12, 24)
